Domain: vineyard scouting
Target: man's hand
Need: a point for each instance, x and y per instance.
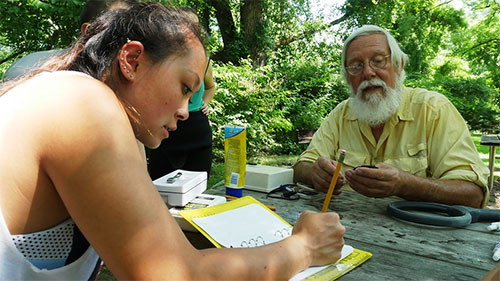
(382, 182)
(322, 174)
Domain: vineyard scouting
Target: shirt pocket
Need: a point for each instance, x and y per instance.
(415, 160)
(353, 159)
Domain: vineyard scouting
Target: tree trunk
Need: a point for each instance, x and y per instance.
(251, 17)
(232, 50)
(205, 20)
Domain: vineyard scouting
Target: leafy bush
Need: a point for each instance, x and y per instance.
(272, 102)
(474, 100)
(472, 97)
(316, 88)
(249, 97)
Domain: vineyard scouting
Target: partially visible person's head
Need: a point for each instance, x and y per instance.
(193, 16)
(373, 67)
(191, 13)
(94, 8)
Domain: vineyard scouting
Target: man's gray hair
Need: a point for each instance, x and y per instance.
(397, 55)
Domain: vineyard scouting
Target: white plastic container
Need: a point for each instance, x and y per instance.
(266, 178)
(180, 186)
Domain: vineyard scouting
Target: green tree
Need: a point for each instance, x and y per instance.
(480, 44)
(277, 67)
(34, 25)
(473, 99)
(420, 26)
(252, 29)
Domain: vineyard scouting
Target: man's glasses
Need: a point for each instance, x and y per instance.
(376, 62)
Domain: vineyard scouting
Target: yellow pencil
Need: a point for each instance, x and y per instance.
(334, 182)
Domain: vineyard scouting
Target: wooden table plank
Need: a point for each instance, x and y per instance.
(387, 264)
(490, 140)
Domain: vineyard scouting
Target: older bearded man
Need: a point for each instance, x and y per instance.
(416, 138)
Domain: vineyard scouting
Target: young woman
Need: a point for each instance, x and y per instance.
(69, 162)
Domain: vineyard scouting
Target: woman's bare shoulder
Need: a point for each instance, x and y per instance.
(69, 85)
(67, 105)
(63, 86)
(73, 94)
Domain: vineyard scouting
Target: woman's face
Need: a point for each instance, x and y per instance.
(160, 92)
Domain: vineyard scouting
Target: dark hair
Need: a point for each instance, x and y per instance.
(160, 29)
(93, 8)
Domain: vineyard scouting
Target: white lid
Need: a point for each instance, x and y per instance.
(179, 181)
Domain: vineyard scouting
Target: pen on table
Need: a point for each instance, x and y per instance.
(494, 226)
(333, 182)
(272, 208)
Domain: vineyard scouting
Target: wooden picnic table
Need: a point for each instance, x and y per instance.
(401, 250)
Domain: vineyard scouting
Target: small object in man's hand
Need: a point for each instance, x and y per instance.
(365, 166)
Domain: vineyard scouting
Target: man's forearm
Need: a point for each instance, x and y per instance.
(451, 192)
(302, 172)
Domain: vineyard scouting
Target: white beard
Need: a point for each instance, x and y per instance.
(376, 108)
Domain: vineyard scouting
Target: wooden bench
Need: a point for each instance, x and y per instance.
(492, 141)
(305, 136)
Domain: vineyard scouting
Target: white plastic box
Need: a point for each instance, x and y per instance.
(180, 186)
(266, 178)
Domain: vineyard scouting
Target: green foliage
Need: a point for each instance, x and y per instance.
(473, 97)
(299, 84)
(309, 117)
(273, 102)
(33, 25)
(252, 98)
(480, 44)
(315, 90)
(420, 26)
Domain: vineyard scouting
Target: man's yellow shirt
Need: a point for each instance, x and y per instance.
(427, 137)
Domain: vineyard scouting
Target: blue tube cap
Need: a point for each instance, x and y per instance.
(236, 192)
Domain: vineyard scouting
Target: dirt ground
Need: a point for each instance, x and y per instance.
(495, 196)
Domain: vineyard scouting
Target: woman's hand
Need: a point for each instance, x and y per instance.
(322, 234)
(205, 109)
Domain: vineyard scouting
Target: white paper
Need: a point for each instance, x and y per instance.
(247, 226)
(250, 226)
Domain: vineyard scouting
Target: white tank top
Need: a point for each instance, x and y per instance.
(14, 265)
